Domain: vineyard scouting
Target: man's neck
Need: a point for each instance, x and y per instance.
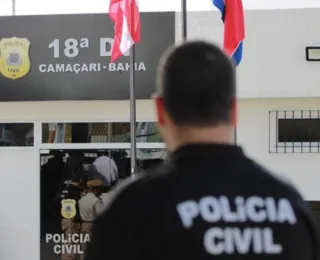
(217, 135)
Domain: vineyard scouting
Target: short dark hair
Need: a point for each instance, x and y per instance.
(197, 83)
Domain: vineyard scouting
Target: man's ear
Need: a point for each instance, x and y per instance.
(234, 117)
(159, 106)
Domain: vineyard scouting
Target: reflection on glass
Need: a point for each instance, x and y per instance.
(146, 132)
(16, 134)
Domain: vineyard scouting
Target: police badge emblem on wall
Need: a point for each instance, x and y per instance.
(14, 57)
(68, 208)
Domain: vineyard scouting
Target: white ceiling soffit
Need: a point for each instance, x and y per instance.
(30, 7)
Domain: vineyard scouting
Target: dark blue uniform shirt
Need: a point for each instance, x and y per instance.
(205, 202)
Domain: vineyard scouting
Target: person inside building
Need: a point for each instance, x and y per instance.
(90, 206)
(208, 200)
(56, 132)
(74, 164)
(69, 197)
(51, 177)
(105, 169)
(70, 215)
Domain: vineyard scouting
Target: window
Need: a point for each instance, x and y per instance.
(295, 131)
(109, 132)
(16, 134)
(299, 130)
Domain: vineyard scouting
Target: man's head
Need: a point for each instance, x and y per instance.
(196, 94)
(74, 162)
(77, 177)
(58, 155)
(95, 187)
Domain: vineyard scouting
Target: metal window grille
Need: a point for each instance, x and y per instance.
(294, 131)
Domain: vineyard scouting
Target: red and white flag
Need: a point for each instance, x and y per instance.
(126, 18)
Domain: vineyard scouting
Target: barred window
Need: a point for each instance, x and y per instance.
(294, 131)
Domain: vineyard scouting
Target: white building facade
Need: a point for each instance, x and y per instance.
(274, 80)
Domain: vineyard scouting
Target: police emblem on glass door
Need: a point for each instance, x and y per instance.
(68, 208)
(14, 57)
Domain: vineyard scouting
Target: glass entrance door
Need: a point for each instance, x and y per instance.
(56, 172)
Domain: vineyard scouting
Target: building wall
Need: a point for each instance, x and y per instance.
(20, 203)
(303, 169)
(253, 129)
(274, 63)
(21, 174)
(74, 111)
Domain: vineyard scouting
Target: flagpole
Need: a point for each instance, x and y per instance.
(184, 19)
(133, 145)
(13, 7)
(236, 115)
(132, 30)
(235, 135)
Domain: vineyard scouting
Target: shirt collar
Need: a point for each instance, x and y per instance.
(210, 151)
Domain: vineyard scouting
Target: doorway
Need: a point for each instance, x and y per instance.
(53, 175)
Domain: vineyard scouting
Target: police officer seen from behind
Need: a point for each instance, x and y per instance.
(90, 206)
(69, 197)
(208, 200)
